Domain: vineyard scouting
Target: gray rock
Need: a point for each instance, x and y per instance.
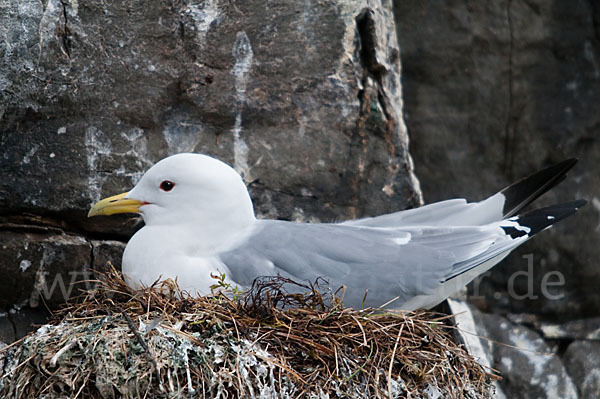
(495, 91)
(40, 268)
(581, 329)
(304, 100)
(467, 334)
(582, 360)
(22, 321)
(18, 322)
(527, 365)
(7, 331)
(106, 253)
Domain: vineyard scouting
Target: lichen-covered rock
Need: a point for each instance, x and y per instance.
(582, 360)
(528, 365)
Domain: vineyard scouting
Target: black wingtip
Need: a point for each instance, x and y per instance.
(520, 194)
(532, 222)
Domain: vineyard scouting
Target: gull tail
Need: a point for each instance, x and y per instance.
(522, 193)
(518, 229)
(511, 200)
(532, 222)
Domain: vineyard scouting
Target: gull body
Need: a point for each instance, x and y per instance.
(199, 220)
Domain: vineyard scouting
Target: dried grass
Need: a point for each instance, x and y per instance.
(162, 343)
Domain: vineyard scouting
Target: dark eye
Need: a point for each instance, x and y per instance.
(167, 185)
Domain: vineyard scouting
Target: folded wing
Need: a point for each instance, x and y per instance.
(389, 263)
(420, 266)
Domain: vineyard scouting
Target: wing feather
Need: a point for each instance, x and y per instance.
(359, 257)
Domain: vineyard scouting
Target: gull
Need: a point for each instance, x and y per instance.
(199, 220)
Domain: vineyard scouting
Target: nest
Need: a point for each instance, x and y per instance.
(114, 342)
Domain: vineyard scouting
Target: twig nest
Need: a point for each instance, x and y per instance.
(161, 343)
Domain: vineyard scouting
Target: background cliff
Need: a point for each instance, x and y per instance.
(493, 92)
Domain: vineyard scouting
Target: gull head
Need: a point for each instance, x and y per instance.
(182, 189)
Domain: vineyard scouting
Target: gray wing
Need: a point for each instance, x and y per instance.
(388, 262)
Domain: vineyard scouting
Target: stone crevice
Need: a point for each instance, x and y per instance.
(367, 32)
(31, 223)
(12, 323)
(595, 13)
(91, 243)
(380, 112)
(65, 32)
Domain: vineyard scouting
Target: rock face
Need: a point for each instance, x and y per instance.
(94, 95)
(527, 364)
(495, 91)
(303, 98)
(582, 360)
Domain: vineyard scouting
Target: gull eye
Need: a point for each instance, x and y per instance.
(167, 185)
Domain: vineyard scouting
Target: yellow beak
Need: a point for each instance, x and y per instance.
(115, 204)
